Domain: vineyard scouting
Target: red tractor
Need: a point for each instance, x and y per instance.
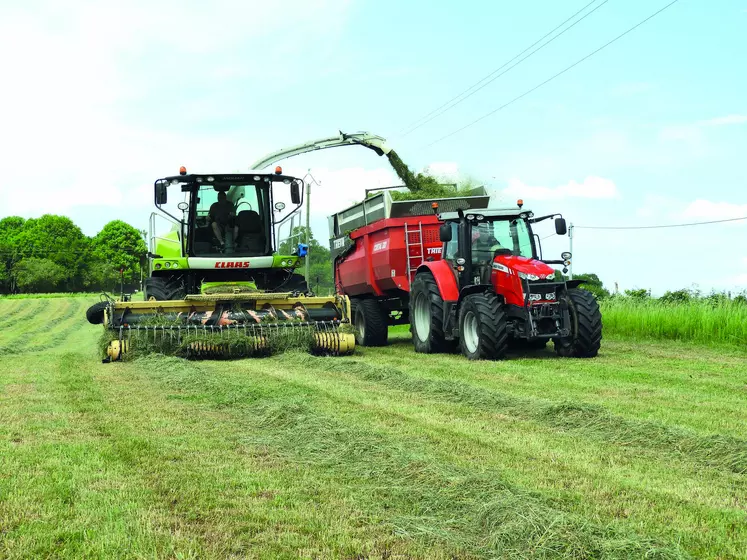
(468, 276)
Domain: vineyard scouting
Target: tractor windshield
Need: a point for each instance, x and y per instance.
(512, 234)
(231, 220)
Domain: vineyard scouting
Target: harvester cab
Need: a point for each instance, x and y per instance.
(492, 289)
(225, 236)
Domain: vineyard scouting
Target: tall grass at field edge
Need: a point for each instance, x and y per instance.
(698, 321)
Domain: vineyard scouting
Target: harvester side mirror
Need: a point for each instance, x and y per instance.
(444, 233)
(295, 193)
(560, 227)
(161, 196)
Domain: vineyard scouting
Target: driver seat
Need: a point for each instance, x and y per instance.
(251, 233)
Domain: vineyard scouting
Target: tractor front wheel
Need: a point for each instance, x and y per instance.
(370, 320)
(162, 289)
(483, 333)
(426, 315)
(586, 326)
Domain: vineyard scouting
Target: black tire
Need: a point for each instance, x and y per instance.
(163, 289)
(95, 313)
(586, 326)
(424, 291)
(371, 322)
(483, 332)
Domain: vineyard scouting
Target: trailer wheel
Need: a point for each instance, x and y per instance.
(483, 328)
(370, 320)
(426, 315)
(586, 326)
(95, 313)
(161, 289)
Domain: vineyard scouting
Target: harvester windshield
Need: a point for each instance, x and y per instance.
(238, 216)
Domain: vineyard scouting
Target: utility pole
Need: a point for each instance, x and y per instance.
(570, 237)
(308, 233)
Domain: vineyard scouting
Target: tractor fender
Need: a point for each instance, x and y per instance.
(444, 276)
(571, 284)
(476, 289)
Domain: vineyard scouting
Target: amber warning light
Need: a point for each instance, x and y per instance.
(278, 170)
(520, 203)
(182, 170)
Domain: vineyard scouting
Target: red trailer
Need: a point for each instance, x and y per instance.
(377, 247)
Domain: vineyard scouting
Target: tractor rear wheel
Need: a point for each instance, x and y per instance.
(162, 289)
(483, 333)
(426, 315)
(586, 326)
(370, 320)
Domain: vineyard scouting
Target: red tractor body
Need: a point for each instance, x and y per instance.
(467, 276)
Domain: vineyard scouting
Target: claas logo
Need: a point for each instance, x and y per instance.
(232, 264)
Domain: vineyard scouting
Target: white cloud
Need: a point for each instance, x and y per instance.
(591, 187)
(709, 210)
(727, 120)
(81, 124)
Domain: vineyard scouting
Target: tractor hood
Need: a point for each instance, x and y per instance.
(524, 265)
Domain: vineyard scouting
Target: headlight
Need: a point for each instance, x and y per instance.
(176, 265)
(566, 256)
(533, 277)
(460, 261)
(283, 263)
(535, 297)
(167, 265)
(158, 265)
(522, 276)
(470, 217)
(550, 296)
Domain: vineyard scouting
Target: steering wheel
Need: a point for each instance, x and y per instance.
(243, 202)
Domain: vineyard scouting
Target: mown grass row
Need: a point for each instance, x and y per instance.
(698, 321)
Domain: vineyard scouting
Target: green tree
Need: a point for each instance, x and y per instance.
(10, 228)
(59, 240)
(321, 278)
(118, 246)
(39, 275)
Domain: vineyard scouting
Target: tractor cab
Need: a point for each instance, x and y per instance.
(484, 241)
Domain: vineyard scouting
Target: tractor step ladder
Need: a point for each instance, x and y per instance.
(415, 249)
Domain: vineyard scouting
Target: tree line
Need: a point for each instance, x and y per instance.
(52, 254)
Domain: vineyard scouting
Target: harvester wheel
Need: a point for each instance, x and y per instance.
(95, 313)
(370, 322)
(483, 327)
(161, 289)
(586, 326)
(426, 315)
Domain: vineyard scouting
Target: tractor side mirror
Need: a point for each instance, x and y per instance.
(295, 193)
(444, 233)
(161, 196)
(560, 227)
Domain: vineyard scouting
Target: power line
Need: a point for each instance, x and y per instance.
(664, 226)
(550, 79)
(473, 89)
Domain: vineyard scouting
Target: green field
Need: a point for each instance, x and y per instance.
(641, 452)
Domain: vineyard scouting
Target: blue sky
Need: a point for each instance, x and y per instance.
(103, 99)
